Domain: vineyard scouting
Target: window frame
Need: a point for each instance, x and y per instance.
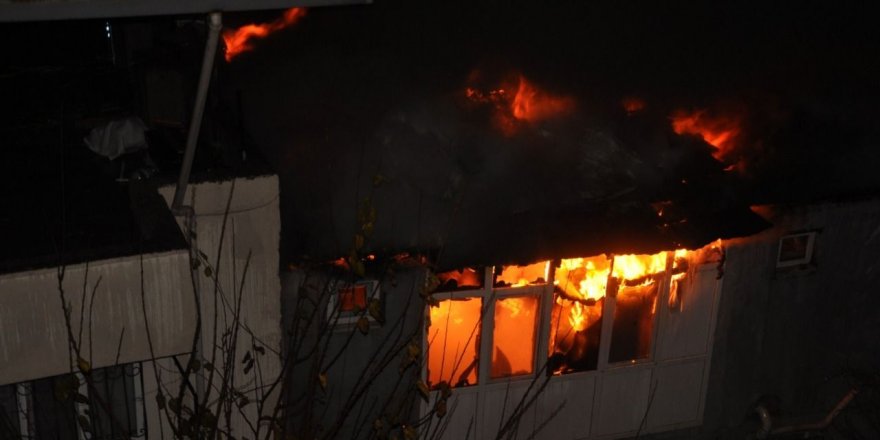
(343, 321)
(545, 292)
(24, 391)
(809, 251)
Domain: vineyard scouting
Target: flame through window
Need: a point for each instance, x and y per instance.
(628, 286)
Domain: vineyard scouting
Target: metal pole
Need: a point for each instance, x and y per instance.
(215, 23)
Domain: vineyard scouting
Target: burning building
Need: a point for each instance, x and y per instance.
(486, 225)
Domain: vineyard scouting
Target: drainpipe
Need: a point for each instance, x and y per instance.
(215, 23)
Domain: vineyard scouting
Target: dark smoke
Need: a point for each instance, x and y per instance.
(355, 93)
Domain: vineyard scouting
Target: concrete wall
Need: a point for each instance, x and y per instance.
(252, 227)
(359, 354)
(33, 335)
(796, 333)
(34, 338)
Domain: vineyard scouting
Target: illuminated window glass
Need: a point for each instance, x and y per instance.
(454, 342)
(514, 336)
(352, 298)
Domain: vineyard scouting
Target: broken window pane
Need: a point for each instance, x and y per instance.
(576, 327)
(633, 322)
(463, 279)
(518, 276)
(514, 336)
(576, 318)
(454, 342)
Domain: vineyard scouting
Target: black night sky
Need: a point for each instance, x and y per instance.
(329, 99)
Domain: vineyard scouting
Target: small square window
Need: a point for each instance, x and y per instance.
(348, 301)
(796, 249)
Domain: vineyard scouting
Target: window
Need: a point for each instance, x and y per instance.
(457, 340)
(576, 319)
(454, 341)
(513, 336)
(349, 301)
(54, 408)
(796, 249)
(633, 323)
(585, 314)
(11, 412)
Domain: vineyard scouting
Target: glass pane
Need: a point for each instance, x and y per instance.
(638, 277)
(633, 323)
(112, 402)
(454, 342)
(464, 279)
(352, 299)
(576, 318)
(514, 336)
(517, 276)
(10, 426)
(54, 412)
(575, 331)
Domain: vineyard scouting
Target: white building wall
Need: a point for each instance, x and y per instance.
(253, 226)
(33, 334)
(621, 400)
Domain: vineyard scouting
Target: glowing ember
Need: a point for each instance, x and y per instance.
(242, 39)
(720, 132)
(632, 105)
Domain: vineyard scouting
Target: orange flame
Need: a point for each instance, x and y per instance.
(583, 278)
(587, 278)
(720, 132)
(531, 104)
(576, 318)
(513, 306)
(518, 276)
(241, 40)
(528, 104)
(632, 267)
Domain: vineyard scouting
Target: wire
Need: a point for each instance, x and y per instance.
(253, 208)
